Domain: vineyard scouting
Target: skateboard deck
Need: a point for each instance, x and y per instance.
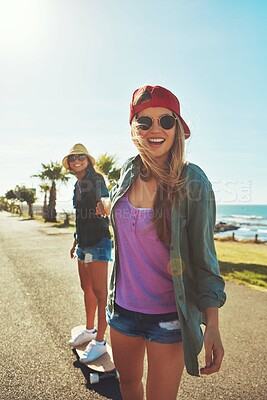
(103, 366)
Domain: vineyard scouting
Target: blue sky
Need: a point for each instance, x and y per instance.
(68, 69)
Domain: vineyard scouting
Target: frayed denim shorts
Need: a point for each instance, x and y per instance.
(99, 252)
(160, 328)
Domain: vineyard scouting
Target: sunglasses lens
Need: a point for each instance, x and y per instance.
(72, 157)
(144, 123)
(167, 122)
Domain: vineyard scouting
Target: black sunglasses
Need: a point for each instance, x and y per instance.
(73, 157)
(165, 121)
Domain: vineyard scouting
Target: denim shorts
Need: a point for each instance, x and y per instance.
(160, 328)
(99, 252)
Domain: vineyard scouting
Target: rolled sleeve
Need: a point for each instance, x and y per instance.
(210, 284)
(100, 187)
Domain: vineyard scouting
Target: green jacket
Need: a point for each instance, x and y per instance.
(194, 265)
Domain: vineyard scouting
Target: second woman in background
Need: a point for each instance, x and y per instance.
(92, 246)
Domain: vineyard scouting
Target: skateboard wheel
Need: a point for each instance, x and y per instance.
(94, 378)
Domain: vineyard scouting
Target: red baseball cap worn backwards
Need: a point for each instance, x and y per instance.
(160, 97)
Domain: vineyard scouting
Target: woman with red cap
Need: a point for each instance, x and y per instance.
(92, 247)
(165, 280)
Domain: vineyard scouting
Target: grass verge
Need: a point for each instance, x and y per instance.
(59, 224)
(244, 263)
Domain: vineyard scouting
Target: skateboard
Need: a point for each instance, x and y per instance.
(103, 367)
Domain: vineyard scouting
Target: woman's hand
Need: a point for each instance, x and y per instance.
(214, 351)
(72, 250)
(103, 207)
(212, 342)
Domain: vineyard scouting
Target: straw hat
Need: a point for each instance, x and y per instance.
(77, 149)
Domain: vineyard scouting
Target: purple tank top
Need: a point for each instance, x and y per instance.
(144, 283)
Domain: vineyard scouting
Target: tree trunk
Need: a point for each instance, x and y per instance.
(30, 212)
(52, 214)
(45, 208)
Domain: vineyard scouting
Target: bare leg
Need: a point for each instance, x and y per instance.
(165, 368)
(128, 353)
(98, 271)
(89, 297)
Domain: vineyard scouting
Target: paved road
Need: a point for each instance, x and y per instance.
(40, 301)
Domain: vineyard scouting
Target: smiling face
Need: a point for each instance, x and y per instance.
(78, 166)
(159, 140)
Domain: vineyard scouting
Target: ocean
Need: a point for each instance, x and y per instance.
(251, 220)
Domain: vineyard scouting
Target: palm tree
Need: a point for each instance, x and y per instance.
(28, 195)
(106, 165)
(52, 172)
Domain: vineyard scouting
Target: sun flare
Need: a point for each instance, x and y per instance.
(20, 23)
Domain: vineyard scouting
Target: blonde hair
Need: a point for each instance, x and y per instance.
(168, 177)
